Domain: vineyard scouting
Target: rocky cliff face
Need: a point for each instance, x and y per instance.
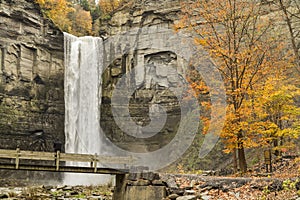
(31, 73)
(137, 29)
(141, 13)
(31, 78)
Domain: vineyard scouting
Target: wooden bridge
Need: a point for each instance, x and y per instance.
(60, 162)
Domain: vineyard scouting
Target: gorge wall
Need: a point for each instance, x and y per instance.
(32, 69)
(32, 75)
(31, 78)
(147, 21)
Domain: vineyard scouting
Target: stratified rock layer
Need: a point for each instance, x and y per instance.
(141, 30)
(31, 78)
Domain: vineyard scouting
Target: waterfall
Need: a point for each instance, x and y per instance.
(83, 70)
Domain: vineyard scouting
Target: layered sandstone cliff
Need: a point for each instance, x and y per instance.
(31, 78)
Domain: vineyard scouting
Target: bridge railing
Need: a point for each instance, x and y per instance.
(93, 160)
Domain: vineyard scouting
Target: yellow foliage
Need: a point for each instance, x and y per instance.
(57, 11)
(66, 17)
(249, 56)
(82, 22)
(108, 6)
(241, 63)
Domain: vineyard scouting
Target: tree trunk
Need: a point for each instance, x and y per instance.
(241, 154)
(234, 161)
(242, 158)
(275, 144)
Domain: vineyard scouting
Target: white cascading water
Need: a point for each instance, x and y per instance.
(83, 70)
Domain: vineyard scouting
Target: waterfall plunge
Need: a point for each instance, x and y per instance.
(83, 70)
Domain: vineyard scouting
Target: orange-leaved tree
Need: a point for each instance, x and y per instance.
(58, 11)
(238, 38)
(68, 17)
(81, 22)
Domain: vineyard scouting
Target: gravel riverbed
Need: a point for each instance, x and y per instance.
(57, 192)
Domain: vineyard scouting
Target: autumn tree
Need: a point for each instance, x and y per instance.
(108, 6)
(71, 18)
(237, 37)
(290, 10)
(276, 114)
(58, 11)
(81, 22)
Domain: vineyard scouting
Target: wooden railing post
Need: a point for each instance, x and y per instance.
(57, 160)
(17, 158)
(95, 163)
